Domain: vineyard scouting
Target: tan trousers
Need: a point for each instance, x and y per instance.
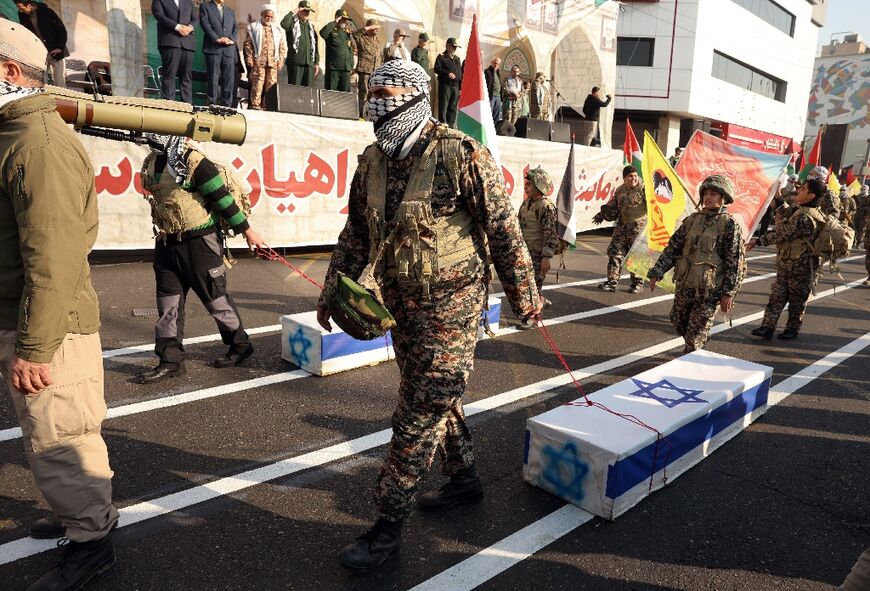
(61, 428)
(262, 79)
(58, 71)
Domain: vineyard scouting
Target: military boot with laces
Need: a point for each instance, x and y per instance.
(373, 548)
(464, 488)
(607, 286)
(81, 562)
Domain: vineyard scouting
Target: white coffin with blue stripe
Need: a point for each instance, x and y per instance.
(606, 464)
(305, 344)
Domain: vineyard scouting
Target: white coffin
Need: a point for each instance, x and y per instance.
(606, 464)
(305, 344)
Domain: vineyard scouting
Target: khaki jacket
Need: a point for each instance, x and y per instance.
(48, 225)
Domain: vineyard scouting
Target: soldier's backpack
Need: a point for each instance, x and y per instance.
(833, 241)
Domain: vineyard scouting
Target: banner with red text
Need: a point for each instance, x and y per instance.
(300, 170)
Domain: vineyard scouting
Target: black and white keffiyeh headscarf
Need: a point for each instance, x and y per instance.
(399, 120)
(173, 147)
(11, 92)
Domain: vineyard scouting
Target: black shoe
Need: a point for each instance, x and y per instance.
(607, 286)
(161, 372)
(81, 562)
(763, 332)
(463, 489)
(47, 528)
(373, 548)
(788, 334)
(234, 357)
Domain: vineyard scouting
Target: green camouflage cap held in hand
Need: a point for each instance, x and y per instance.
(721, 184)
(357, 311)
(541, 179)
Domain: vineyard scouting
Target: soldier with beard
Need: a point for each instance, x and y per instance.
(424, 202)
(628, 208)
(706, 253)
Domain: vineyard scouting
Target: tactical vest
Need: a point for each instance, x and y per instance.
(700, 267)
(530, 223)
(174, 209)
(415, 248)
(632, 212)
(795, 249)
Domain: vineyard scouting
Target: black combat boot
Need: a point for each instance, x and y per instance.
(464, 488)
(47, 528)
(763, 332)
(373, 548)
(234, 357)
(161, 372)
(81, 562)
(788, 334)
(636, 286)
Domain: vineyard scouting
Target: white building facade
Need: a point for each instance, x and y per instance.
(740, 69)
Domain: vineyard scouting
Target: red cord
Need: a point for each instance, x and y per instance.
(271, 255)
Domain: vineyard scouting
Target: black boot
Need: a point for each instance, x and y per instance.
(161, 372)
(47, 528)
(234, 357)
(763, 332)
(373, 548)
(464, 488)
(788, 334)
(81, 562)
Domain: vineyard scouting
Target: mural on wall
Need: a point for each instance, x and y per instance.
(841, 93)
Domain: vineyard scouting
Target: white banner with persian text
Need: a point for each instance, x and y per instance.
(300, 169)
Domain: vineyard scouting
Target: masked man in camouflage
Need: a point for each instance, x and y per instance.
(421, 185)
(538, 222)
(627, 208)
(797, 268)
(706, 253)
(830, 203)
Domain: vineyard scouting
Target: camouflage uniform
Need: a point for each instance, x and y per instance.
(830, 204)
(862, 205)
(694, 308)
(628, 207)
(537, 217)
(434, 340)
(848, 209)
(796, 268)
(866, 242)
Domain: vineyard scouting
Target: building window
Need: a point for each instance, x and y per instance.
(635, 51)
(770, 12)
(746, 77)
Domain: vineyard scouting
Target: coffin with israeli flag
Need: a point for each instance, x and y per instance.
(643, 432)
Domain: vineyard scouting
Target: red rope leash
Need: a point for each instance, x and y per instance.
(271, 255)
(545, 332)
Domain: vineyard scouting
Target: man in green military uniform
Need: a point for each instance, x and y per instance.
(537, 217)
(303, 55)
(420, 54)
(706, 253)
(339, 52)
(368, 55)
(418, 185)
(627, 208)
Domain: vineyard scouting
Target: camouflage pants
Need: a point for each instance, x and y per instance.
(511, 110)
(793, 284)
(539, 276)
(434, 343)
(692, 316)
(624, 236)
(867, 248)
(262, 79)
(860, 225)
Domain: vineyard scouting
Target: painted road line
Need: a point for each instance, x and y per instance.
(496, 559)
(24, 547)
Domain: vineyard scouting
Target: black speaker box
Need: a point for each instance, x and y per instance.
(289, 98)
(534, 129)
(560, 132)
(833, 145)
(339, 104)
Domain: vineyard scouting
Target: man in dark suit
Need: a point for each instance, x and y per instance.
(176, 21)
(219, 46)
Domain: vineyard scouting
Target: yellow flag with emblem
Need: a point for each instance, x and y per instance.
(855, 188)
(833, 184)
(666, 195)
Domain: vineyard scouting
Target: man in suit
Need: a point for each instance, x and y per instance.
(219, 46)
(43, 22)
(303, 56)
(176, 40)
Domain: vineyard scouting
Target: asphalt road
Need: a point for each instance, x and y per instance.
(784, 505)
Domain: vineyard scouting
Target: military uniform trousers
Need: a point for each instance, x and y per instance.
(434, 344)
(511, 110)
(300, 75)
(362, 89)
(338, 80)
(867, 248)
(793, 284)
(537, 258)
(61, 432)
(692, 316)
(624, 236)
(262, 79)
(196, 264)
(448, 99)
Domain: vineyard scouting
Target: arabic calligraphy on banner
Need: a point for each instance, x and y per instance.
(300, 168)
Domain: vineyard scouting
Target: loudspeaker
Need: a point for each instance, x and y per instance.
(289, 98)
(833, 145)
(690, 126)
(534, 129)
(560, 132)
(339, 104)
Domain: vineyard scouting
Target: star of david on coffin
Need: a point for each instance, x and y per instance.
(299, 346)
(679, 395)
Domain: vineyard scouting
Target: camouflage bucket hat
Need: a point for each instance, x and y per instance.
(541, 179)
(358, 312)
(721, 184)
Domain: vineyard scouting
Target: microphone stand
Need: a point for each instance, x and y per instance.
(559, 96)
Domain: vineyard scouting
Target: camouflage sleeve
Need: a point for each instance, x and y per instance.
(733, 256)
(548, 224)
(787, 227)
(491, 208)
(671, 253)
(351, 253)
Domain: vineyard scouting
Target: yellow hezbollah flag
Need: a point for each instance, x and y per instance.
(855, 187)
(833, 184)
(665, 195)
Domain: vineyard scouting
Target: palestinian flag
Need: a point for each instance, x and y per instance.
(475, 114)
(631, 152)
(812, 159)
(566, 223)
(790, 150)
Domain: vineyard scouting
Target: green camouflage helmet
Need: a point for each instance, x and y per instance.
(541, 179)
(721, 184)
(357, 311)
